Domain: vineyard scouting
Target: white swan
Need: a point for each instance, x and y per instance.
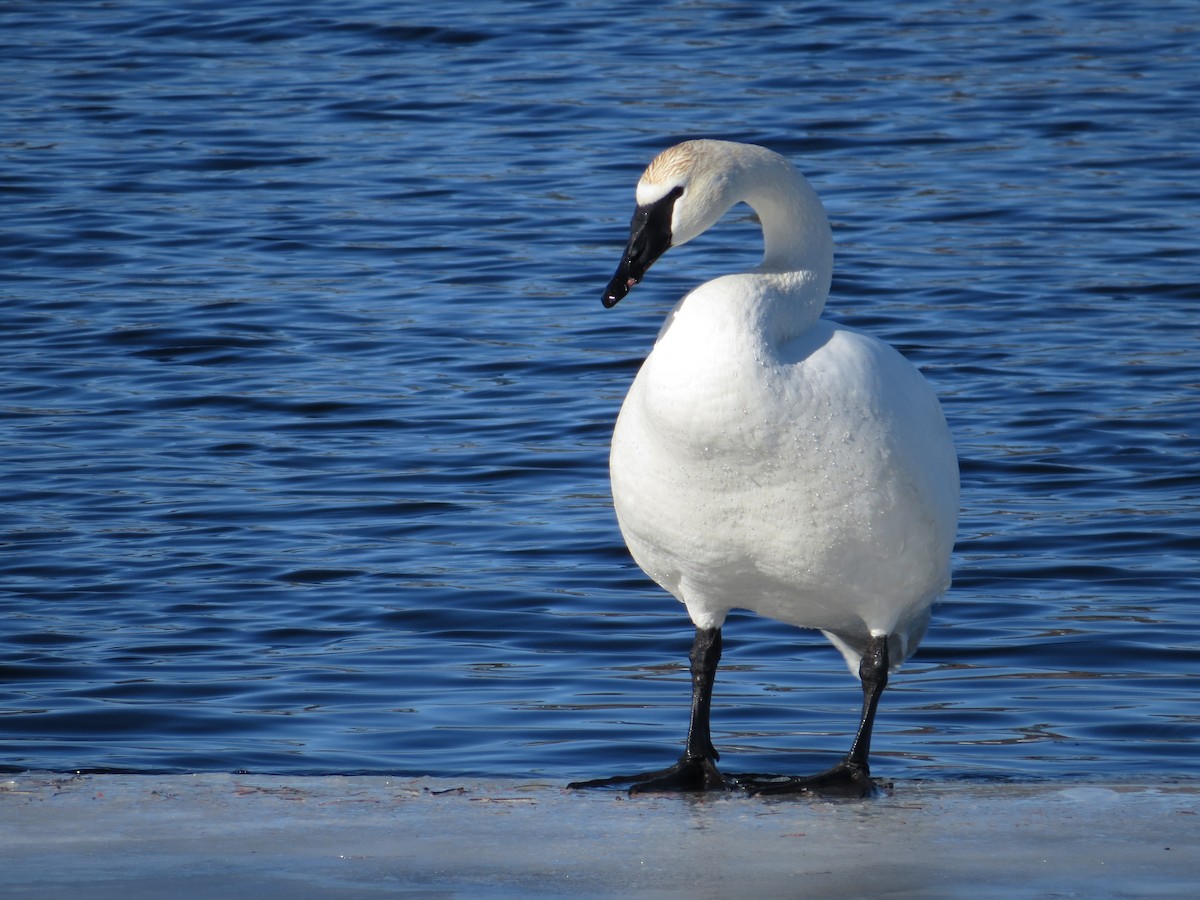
(766, 459)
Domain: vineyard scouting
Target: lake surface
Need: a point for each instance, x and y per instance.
(307, 388)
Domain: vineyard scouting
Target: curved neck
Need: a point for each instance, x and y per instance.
(796, 231)
(797, 264)
(785, 294)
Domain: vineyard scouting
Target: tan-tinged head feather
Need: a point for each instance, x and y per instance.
(671, 164)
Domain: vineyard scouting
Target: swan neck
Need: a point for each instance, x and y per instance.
(797, 264)
(796, 233)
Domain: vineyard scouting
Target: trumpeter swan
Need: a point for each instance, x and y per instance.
(766, 459)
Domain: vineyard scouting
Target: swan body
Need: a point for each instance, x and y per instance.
(767, 459)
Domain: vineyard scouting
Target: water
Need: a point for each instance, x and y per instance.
(307, 388)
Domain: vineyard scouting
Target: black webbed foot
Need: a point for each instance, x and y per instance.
(845, 780)
(689, 775)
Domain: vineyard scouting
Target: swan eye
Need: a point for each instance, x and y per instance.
(657, 215)
(650, 231)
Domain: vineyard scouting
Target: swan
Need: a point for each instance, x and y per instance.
(767, 459)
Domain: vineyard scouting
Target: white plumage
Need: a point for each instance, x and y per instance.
(769, 460)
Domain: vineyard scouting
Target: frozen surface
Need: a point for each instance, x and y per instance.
(135, 836)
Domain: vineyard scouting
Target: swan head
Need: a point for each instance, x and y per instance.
(688, 187)
(682, 193)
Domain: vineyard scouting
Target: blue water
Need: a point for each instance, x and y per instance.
(306, 387)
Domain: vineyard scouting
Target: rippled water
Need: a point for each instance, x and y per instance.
(307, 388)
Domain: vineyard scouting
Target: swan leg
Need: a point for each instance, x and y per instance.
(697, 767)
(852, 776)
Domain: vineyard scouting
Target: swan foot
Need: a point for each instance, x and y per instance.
(689, 775)
(846, 780)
